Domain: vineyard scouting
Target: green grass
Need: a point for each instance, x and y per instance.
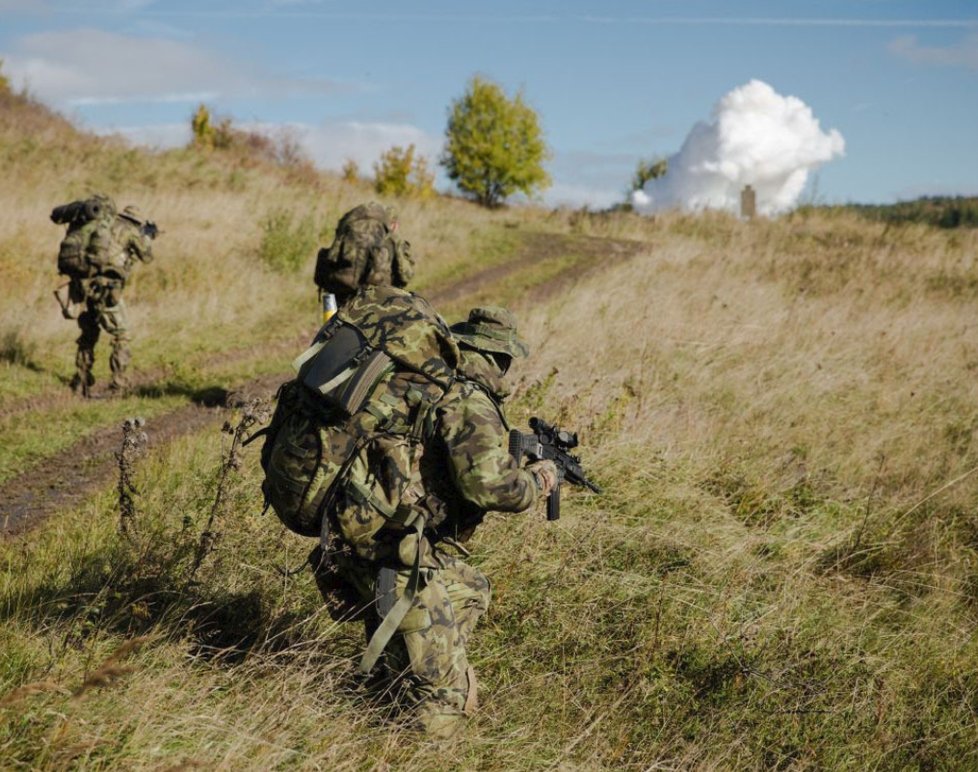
(626, 630)
(488, 248)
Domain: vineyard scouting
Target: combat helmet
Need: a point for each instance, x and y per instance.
(491, 329)
(365, 250)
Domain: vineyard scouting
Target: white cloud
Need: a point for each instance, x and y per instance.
(756, 137)
(963, 54)
(89, 66)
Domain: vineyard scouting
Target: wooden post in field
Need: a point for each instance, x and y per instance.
(748, 203)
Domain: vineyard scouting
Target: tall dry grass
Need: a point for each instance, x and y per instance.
(778, 575)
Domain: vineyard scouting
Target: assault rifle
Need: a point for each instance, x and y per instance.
(552, 444)
(149, 229)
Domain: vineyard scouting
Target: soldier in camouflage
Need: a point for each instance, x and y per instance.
(467, 470)
(462, 469)
(115, 242)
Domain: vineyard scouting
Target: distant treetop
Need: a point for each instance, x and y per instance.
(495, 145)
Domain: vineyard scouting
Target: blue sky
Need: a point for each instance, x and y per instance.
(613, 81)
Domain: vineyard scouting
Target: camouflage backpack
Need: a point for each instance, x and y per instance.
(365, 250)
(342, 448)
(85, 219)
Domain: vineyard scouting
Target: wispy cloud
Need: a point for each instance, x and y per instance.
(963, 54)
(23, 5)
(312, 9)
(590, 178)
(780, 21)
(572, 195)
(329, 144)
(333, 143)
(90, 67)
(158, 136)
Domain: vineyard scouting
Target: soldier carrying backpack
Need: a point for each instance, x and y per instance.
(379, 445)
(96, 255)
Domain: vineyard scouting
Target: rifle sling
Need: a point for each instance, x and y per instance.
(393, 618)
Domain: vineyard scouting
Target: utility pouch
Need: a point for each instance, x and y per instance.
(342, 367)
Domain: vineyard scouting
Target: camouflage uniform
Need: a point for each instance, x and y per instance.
(111, 250)
(433, 487)
(465, 469)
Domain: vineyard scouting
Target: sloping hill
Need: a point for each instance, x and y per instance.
(780, 573)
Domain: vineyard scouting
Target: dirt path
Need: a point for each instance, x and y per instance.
(67, 478)
(70, 476)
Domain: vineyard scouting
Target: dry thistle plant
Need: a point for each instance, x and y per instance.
(256, 411)
(134, 441)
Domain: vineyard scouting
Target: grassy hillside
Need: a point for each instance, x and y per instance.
(780, 574)
(222, 301)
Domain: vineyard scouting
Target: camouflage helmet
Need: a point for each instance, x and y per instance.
(364, 251)
(379, 213)
(492, 329)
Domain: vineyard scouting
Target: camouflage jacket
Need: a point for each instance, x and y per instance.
(111, 250)
(466, 468)
(431, 441)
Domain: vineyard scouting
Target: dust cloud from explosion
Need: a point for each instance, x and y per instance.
(756, 137)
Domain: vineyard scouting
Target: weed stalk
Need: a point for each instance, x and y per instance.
(134, 442)
(254, 412)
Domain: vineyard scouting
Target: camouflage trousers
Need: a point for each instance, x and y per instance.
(103, 311)
(426, 657)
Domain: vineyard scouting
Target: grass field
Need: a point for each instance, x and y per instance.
(781, 573)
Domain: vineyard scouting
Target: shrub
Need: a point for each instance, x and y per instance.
(399, 172)
(208, 136)
(4, 81)
(650, 169)
(285, 245)
(350, 171)
(17, 350)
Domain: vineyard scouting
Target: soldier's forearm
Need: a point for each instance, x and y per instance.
(507, 493)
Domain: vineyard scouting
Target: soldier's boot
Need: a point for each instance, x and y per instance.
(83, 379)
(119, 361)
(439, 720)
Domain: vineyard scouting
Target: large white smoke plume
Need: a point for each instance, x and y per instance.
(756, 137)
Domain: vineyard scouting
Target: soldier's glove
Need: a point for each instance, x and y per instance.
(545, 473)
